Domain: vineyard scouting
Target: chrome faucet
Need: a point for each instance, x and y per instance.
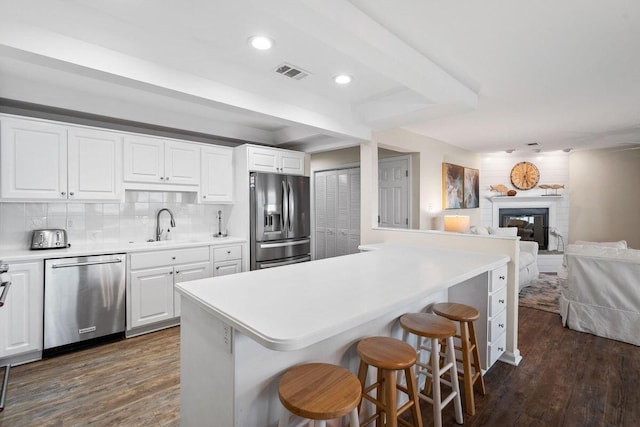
(158, 230)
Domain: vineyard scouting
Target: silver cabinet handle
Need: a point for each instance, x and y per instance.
(5, 292)
(162, 178)
(71, 193)
(501, 301)
(63, 193)
(167, 179)
(501, 277)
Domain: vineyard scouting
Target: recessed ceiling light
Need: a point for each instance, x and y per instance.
(261, 42)
(342, 79)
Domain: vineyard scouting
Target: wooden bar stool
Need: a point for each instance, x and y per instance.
(466, 315)
(388, 355)
(435, 328)
(320, 392)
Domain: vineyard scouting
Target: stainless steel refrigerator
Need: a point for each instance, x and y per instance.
(280, 220)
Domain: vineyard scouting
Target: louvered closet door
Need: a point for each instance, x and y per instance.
(320, 194)
(342, 213)
(337, 209)
(331, 202)
(354, 211)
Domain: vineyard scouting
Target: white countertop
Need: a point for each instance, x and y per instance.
(112, 248)
(292, 307)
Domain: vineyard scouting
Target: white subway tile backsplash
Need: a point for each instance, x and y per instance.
(75, 208)
(112, 209)
(56, 209)
(133, 220)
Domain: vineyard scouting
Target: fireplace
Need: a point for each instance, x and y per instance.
(532, 223)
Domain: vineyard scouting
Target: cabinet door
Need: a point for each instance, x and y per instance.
(291, 163)
(182, 163)
(94, 165)
(263, 159)
(21, 316)
(143, 159)
(216, 184)
(187, 272)
(33, 160)
(224, 268)
(151, 296)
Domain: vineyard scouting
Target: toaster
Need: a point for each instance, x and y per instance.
(50, 238)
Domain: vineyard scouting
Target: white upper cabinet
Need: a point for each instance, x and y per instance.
(216, 184)
(159, 161)
(33, 160)
(262, 159)
(46, 161)
(94, 165)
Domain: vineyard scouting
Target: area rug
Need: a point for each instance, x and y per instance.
(542, 294)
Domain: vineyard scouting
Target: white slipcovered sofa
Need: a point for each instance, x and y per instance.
(528, 268)
(600, 290)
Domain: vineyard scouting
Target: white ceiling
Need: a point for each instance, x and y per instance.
(483, 75)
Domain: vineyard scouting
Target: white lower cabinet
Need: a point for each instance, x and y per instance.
(152, 276)
(21, 317)
(227, 260)
(186, 272)
(151, 296)
(489, 296)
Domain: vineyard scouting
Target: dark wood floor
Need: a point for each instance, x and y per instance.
(566, 378)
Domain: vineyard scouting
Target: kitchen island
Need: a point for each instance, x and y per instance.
(241, 332)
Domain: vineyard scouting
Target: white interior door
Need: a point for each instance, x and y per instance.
(393, 189)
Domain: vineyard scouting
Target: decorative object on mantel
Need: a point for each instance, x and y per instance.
(525, 176)
(460, 187)
(457, 223)
(547, 187)
(512, 193)
(500, 188)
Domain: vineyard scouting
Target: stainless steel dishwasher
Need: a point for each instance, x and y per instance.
(84, 299)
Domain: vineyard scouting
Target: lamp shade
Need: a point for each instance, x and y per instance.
(457, 223)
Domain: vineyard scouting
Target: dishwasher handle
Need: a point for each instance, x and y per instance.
(83, 264)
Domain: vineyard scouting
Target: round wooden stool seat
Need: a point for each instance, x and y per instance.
(386, 353)
(388, 356)
(319, 391)
(428, 325)
(457, 312)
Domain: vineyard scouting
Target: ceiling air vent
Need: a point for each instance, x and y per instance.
(292, 71)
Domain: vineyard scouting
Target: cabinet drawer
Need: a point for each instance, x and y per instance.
(496, 348)
(497, 326)
(497, 302)
(169, 257)
(498, 279)
(227, 253)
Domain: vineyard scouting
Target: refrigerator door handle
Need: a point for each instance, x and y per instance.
(292, 208)
(284, 244)
(285, 206)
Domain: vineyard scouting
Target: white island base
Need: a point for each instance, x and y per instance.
(237, 339)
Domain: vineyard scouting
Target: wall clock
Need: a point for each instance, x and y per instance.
(525, 176)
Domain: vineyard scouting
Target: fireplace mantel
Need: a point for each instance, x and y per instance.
(524, 199)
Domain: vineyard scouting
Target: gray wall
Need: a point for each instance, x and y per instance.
(605, 196)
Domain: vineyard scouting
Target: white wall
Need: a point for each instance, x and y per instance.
(132, 220)
(605, 196)
(554, 169)
(432, 154)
